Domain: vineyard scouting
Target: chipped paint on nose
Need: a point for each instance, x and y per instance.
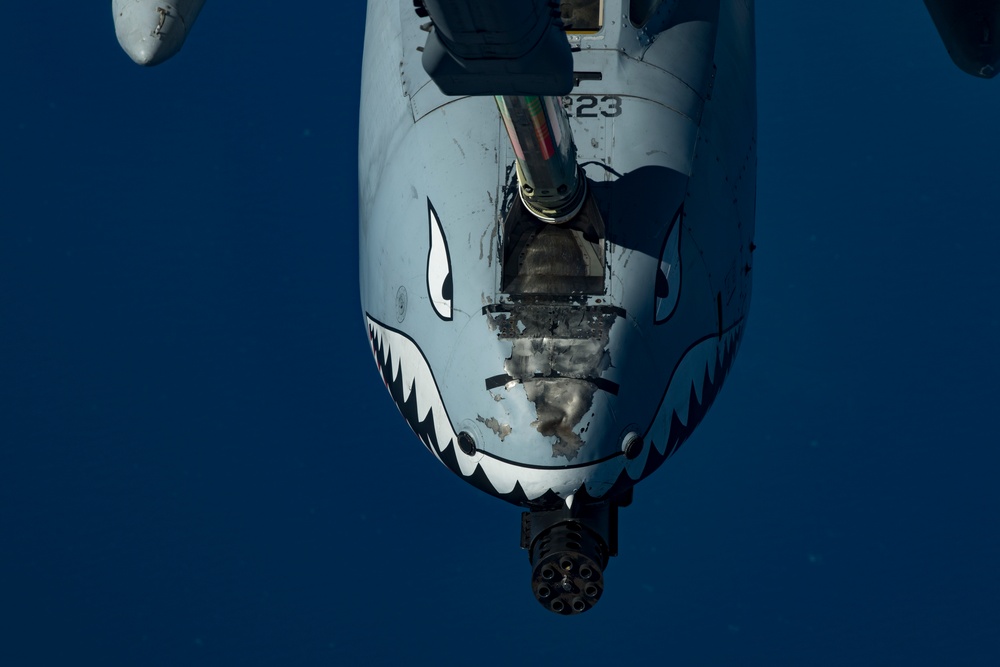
(559, 355)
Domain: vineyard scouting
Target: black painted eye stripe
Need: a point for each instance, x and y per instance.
(667, 282)
(440, 286)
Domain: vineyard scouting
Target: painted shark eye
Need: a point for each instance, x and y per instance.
(668, 273)
(439, 283)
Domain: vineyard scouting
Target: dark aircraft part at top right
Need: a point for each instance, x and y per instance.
(968, 29)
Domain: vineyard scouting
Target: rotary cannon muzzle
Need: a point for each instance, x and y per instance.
(569, 550)
(568, 562)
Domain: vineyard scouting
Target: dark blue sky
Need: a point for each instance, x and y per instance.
(199, 464)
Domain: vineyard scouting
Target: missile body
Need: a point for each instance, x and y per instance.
(151, 31)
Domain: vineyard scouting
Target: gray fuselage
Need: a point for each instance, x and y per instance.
(538, 390)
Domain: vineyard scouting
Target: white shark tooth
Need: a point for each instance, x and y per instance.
(427, 395)
(569, 500)
(442, 429)
(427, 443)
(712, 362)
(394, 357)
(683, 409)
(442, 426)
(445, 443)
(406, 376)
(698, 382)
(661, 444)
(504, 479)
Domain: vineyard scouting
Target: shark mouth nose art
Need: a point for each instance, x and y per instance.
(408, 378)
(693, 386)
(413, 388)
(692, 389)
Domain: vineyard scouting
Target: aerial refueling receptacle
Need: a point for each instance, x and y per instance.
(551, 184)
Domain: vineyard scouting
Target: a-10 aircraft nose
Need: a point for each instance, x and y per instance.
(150, 32)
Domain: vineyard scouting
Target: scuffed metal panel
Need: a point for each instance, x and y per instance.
(560, 355)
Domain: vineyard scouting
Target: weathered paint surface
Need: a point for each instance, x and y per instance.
(625, 327)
